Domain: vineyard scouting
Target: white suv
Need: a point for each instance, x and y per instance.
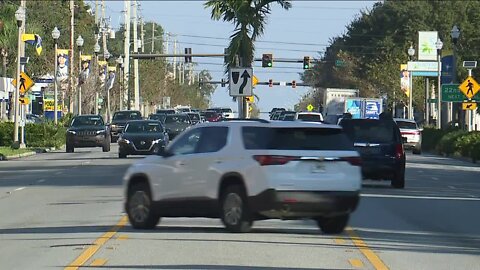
(241, 171)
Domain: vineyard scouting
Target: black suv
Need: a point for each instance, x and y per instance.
(119, 121)
(87, 131)
(380, 145)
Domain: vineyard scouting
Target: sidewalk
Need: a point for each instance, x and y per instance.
(27, 154)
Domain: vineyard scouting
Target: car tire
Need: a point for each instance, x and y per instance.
(333, 225)
(398, 180)
(114, 139)
(106, 146)
(140, 207)
(122, 154)
(417, 151)
(235, 212)
(70, 148)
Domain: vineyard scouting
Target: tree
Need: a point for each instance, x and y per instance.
(249, 18)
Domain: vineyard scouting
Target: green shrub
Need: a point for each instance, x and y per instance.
(431, 137)
(447, 145)
(6, 133)
(475, 151)
(464, 143)
(44, 135)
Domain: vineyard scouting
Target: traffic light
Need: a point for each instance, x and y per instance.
(306, 62)
(249, 99)
(267, 60)
(223, 83)
(294, 84)
(225, 57)
(188, 59)
(270, 83)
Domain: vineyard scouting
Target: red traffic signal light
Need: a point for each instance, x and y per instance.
(294, 84)
(267, 60)
(270, 83)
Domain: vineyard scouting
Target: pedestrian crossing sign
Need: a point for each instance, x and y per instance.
(25, 83)
(469, 87)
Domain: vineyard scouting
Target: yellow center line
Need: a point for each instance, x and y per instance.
(98, 262)
(97, 244)
(366, 251)
(356, 263)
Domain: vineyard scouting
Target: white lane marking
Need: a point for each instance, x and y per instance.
(57, 173)
(435, 178)
(451, 187)
(20, 188)
(448, 167)
(41, 181)
(473, 198)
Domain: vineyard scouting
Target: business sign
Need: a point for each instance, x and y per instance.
(373, 108)
(422, 66)
(354, 107)
(48, 105)
(426, 45)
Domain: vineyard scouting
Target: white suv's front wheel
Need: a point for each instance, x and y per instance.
(235, 212)
(140, 207)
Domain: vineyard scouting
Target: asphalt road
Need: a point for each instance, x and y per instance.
(61, 210)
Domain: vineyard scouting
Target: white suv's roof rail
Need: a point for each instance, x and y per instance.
(247, 119)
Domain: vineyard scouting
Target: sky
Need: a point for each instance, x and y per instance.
(304, 30)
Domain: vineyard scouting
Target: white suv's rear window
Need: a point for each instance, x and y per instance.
(295, 138)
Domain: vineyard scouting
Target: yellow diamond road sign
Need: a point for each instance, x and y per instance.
(310, 107)
(469, 87)
(254, 80)
(469, 106)
(25, 83)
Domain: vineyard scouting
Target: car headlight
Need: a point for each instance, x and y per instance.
(113, 126)
(100, 131)
(157, 141)
(122, 140)
(72, 132)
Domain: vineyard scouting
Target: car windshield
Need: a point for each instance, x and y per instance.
(159, 117)
(143, 127)
(194, 116)
(295, 138)
(310, 117)
(369, 130)
(127, 116)
(87, 121)
(226, 110)
(406, 125)
(181, 119)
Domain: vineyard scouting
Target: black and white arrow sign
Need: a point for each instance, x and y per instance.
(241, 82)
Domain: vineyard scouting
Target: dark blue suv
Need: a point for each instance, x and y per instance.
(380, 145)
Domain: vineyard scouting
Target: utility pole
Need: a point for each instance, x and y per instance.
(96, 12)
(174, 58)
(142, 35)
(105, 50)
(153, 37)
(136, 84)
(71, 58)
(126, 59)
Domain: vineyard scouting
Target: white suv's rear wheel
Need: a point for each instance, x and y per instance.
(333, 225)
(235, 212)
(139, 207)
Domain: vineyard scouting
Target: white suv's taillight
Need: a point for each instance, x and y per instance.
(266, 160)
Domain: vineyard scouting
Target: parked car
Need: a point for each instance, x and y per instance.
(309, 116)
(120, 119)
(194, 117)
(413, 134)
(176, 124)
(158, 116)
(212, 116)
(87, 131)
(380, 144)
(166, 111)
(33, 119)
(142, 137)
(245, 170)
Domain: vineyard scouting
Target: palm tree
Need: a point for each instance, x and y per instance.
(249, 18)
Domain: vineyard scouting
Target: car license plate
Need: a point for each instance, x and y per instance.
(318, 167)
(369, 150)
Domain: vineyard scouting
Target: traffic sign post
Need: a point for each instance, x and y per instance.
(469, 106)
(25, 83)
(469, 87)
(24, 100)
(310, 107)
(240, 80)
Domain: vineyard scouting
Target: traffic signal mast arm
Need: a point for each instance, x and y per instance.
(262, 83)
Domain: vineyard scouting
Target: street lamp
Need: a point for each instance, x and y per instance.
(55, 36)
(20, 17)
(439, 45)
(455, 34)
(107, 55)
(96, 50)
(411, 53)
(120, 65)
(79, 45)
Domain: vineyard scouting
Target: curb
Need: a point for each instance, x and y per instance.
(32, 153)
